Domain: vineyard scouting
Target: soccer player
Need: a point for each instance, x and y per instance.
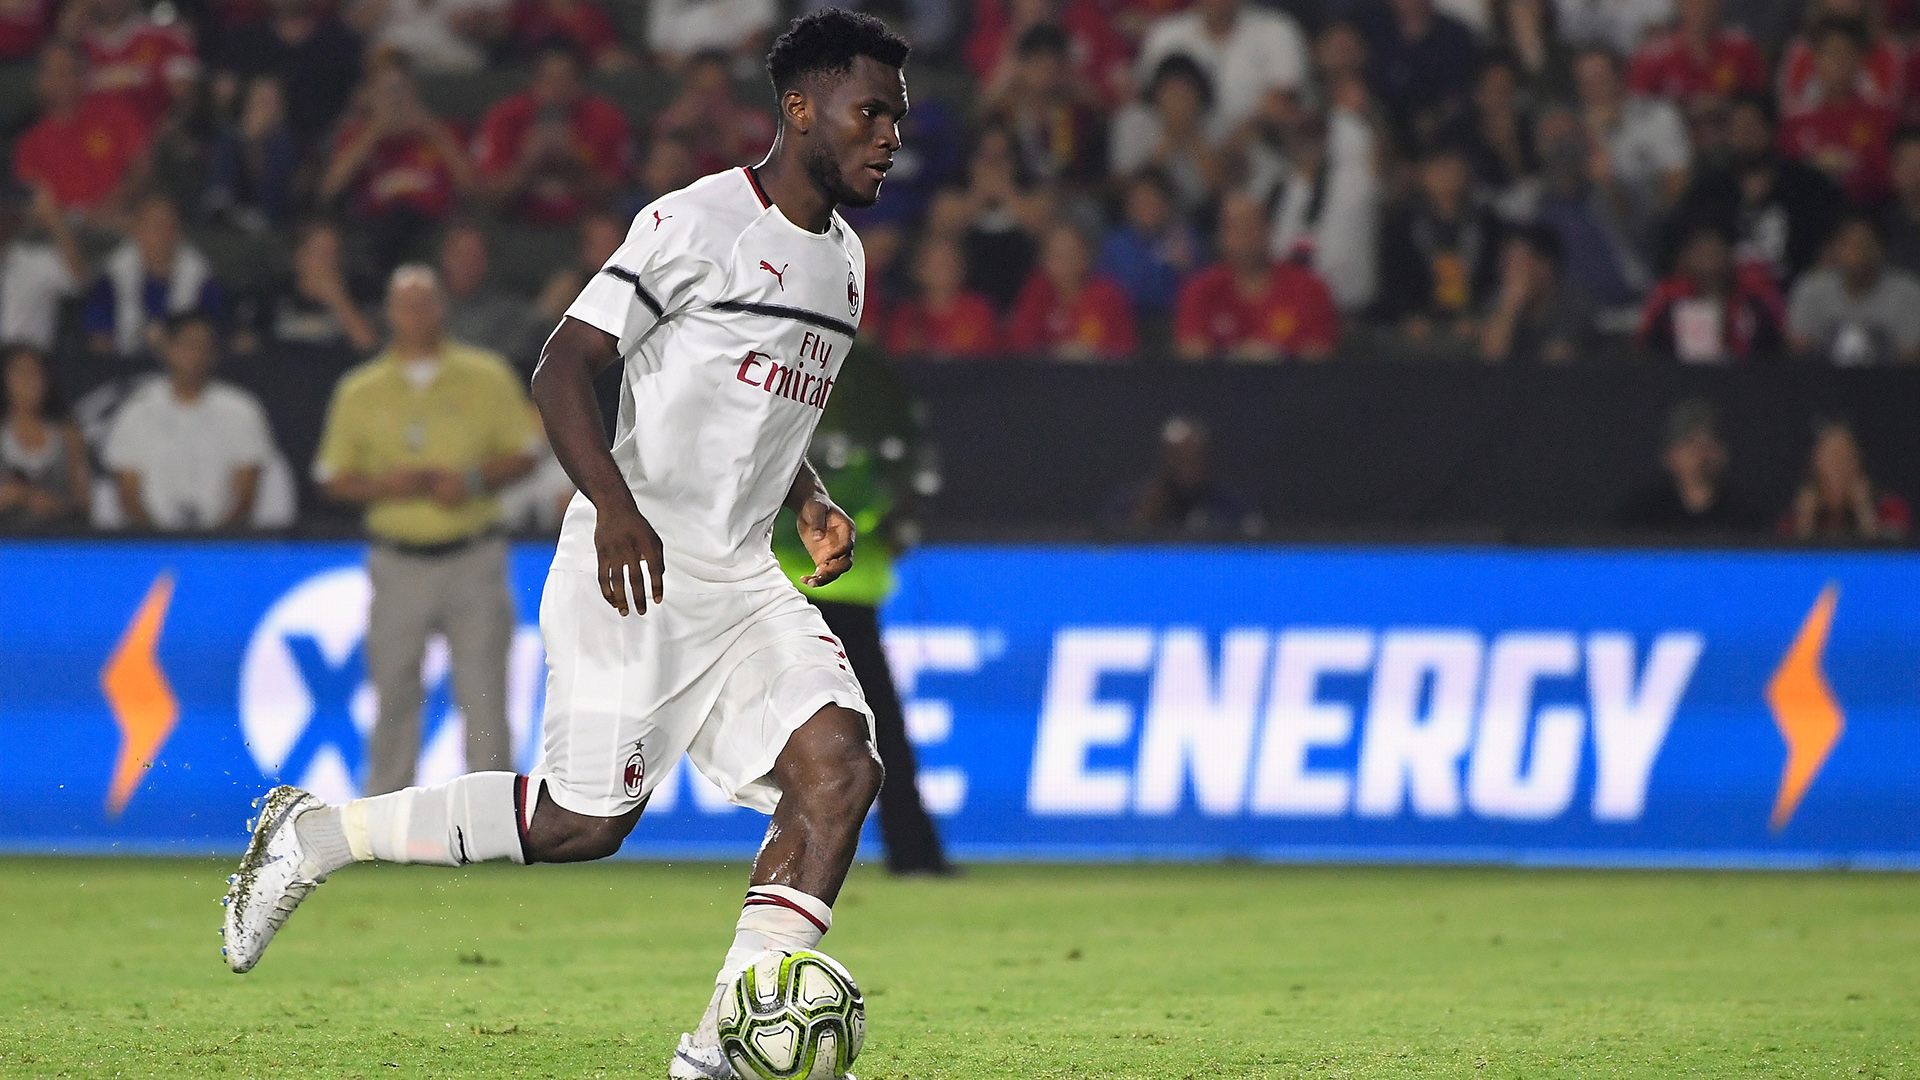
(733, 303)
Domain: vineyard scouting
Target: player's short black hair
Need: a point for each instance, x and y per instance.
(193, 316)
(826, 43)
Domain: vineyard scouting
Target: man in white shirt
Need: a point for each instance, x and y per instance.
(441, 37)
(1245, 50)
(35, 277)
(733, 303)
(187, 451)
(1647, 149)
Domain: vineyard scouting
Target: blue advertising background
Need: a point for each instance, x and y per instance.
(1605, 707)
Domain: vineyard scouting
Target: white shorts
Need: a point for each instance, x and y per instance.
(723, 674)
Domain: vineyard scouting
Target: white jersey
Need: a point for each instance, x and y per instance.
(733, 322)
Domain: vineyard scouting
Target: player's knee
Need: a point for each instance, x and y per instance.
(560, 836)
(855, 777)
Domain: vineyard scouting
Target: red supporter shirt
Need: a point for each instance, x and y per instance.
(83, 157)
(1882, 77)
(584, 26)
(1096, 52)
(1749, 318)
(406, 171)
(964, 329)
(1668, 67)
(596, 129)
(1294, 314)
(138, 63)
(1099, 319)
(24, 24)
(1848, 140)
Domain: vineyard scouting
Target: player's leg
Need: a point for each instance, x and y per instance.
(479, 629)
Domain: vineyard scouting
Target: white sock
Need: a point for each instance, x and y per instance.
(468, 820)
(775, 917)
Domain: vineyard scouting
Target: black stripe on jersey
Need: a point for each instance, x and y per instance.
(633, 279)
(778, 311)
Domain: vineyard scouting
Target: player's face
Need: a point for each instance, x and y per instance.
(857, 130)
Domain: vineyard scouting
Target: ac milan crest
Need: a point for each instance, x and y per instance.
(635, 775)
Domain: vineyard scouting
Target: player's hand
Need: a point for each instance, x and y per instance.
(625, 541)
(828, 534)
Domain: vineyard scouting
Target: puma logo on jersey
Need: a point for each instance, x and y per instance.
(657, 219)
(779, 275)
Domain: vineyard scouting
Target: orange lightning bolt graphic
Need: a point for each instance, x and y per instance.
(136, 690)
(1804, 708)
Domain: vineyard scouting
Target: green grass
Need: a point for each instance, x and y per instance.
(112, 968)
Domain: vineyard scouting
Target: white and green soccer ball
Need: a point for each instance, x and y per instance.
(792, 1016)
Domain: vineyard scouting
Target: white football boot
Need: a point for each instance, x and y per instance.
(270, 882)
(698, 1056)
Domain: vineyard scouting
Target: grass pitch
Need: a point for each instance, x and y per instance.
(113, 968)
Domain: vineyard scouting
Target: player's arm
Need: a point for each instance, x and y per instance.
(563, 391)
(825, 529)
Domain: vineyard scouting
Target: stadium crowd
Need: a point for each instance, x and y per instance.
(199, 182)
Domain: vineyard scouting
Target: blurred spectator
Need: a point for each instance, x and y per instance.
(1700, 55)
(945, 320)
(131, 58)
(1098, 51)
(1835, 127)
(424, 435)
(998, 218)
(187, 451)
(1599, 260)
(441, 37)
(1855, 310)
(1779, 211)
(1879, 75)
(1250, 307)
(679, 29)
(1325, 201)
(552, 150)
(318, 308)
(402, 167)
(667, 166)
(600, 236)
(1901, 221)
(1421, 63)
(1538, 317)
(1712, 311)
(722, 131)
(43, 460)
(154, 275)
(1837, 501)
(537, 502)
(483, 316)
(1057, 128)
(1528, 32)
(1167, 131)
(35, 277)
(1642, 153)
(1065, 311)
(1495, 135)
(88, 150)
(1438, 255)
(250, 168)
(1692, 496)
(582, 26)
(1245, 51)
(1616, 25)
(1182, 493)
(1152, 247)
(305, 47)
(24, 26)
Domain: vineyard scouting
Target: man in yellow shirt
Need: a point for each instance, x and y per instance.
(423, 436)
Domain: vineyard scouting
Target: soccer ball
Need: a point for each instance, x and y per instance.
(792, 1016)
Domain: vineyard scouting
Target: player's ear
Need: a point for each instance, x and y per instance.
(796, 110)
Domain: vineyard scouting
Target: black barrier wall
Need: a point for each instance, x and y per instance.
(1385, 446)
